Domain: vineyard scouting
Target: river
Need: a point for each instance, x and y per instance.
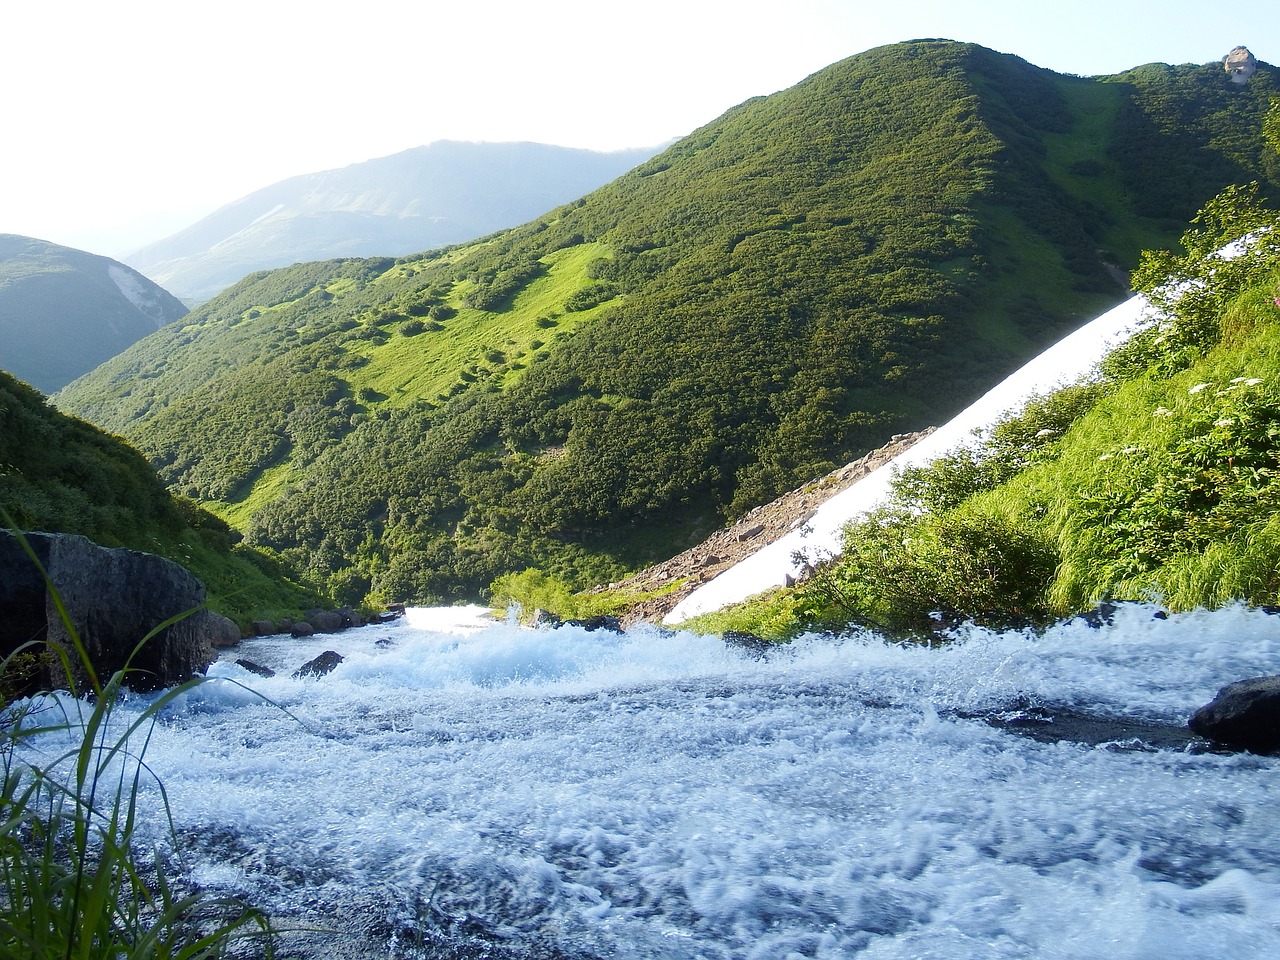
(465, 788)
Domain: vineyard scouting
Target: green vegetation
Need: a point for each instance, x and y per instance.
(73, 882)
(1159, 479)
(64, 311)
(62, 475)
(533, 590)
(777, 293)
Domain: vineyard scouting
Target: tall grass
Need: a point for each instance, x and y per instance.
(73, 882)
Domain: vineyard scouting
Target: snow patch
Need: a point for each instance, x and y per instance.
(136, 291)
(1071, 358)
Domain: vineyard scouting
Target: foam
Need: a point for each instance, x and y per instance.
(658, 794)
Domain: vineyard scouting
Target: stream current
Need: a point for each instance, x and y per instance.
(466, 788)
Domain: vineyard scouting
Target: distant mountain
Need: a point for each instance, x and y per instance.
(443, 193)
(64, 311)
(786, 288)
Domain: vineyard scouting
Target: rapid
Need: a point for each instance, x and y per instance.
(466, 787)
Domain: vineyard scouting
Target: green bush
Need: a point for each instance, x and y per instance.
(914, 574)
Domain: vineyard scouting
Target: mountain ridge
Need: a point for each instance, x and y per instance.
(64, 311)
(778, 292)
(434, 195)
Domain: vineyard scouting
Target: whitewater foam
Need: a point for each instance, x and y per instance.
(657, 794)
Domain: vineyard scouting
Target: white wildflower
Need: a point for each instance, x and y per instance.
(1105, 456)
(1224, 422)
(1162, 412)
(1046, 432)
(1200, 386)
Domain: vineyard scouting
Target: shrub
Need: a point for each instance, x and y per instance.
(915, 574)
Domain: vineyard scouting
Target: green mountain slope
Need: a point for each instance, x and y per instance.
(59, 474)
(1157, 480)
(780, 291)
(445, 192)
(64, 311)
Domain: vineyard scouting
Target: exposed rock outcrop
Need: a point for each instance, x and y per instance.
(1245, 715)
(1240, 64)
(114, 598)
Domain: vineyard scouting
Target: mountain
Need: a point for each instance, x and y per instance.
(59, 474)
(64, 311)
(781, 291)
(443, 193)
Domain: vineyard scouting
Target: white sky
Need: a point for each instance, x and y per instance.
(124, 121)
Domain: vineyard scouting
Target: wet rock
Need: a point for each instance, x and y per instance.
(114, 598)
(1104, 615)
(319, 666)
(256, 668)
(264, 628)
(223, 631)
(544, 618)
(351, 617)
(591, 624)
(301, 628)
(1245, 715)
(326, 621)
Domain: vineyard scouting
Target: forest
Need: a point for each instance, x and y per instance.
(777, 293)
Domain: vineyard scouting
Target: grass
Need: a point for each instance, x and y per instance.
(73, 883)
(430, 364)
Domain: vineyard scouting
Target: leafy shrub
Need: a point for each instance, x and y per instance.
(914, 574)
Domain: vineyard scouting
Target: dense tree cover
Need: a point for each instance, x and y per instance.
(1159, 479)
(778, 292)
(60, 474)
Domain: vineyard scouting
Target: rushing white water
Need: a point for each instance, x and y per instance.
(1066, 361)
(463, 790)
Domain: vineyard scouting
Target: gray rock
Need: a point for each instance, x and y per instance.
(223, 631)
(1245, 715)
(256, 668)
(319, 666)
(327, 621)
(116, 600)
(1240, 64)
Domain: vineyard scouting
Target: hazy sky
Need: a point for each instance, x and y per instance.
(124, 121)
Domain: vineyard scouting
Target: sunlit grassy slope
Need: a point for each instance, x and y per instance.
(780, 291)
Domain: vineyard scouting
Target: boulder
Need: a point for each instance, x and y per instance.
(115, 599)
(327, 621)
(256, 668)
(223, 631)
(264, 628)
(351, 617)
(319, 666)
(301, 628)
(1245, 715)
